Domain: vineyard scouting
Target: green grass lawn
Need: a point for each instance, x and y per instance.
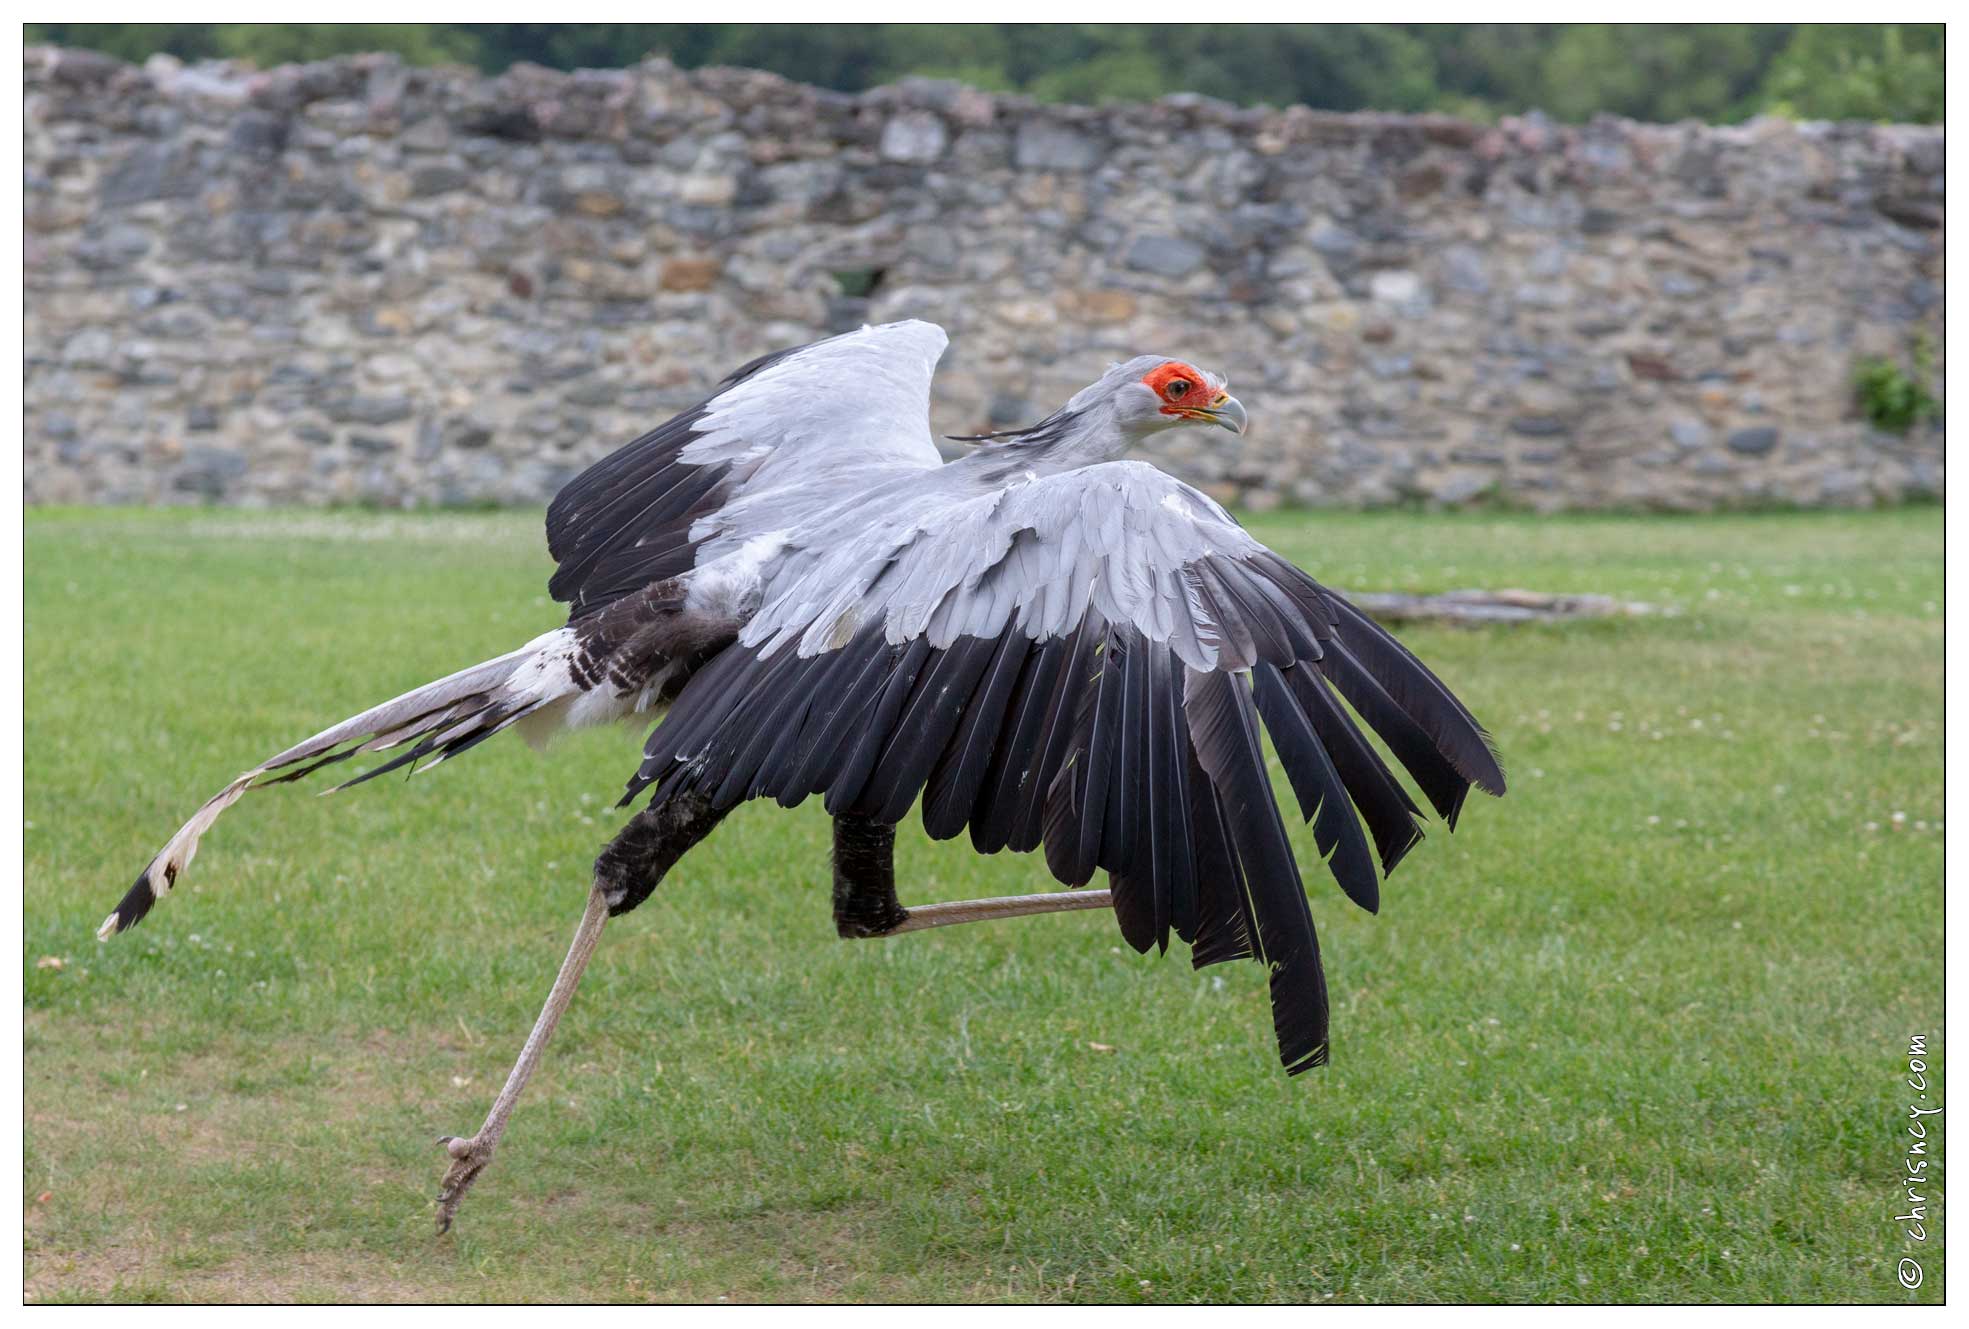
(1636, 1032)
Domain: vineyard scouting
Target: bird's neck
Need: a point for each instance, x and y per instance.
(1064, 441)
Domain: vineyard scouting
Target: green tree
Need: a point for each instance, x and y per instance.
(1859, 71)
(1573, 71)
(1336, 66)
(1657, 71)
(269, 44)
(1487, 69)
(135, 42)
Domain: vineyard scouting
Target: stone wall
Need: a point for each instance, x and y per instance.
(358, 282)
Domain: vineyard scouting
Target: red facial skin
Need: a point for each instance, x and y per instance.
(1197, 397)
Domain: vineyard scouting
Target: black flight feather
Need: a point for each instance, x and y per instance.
(845, 784)
(1322, 794)
(1055, 735)
(774, 698)
(1232, 586)
(1223, 920)
(838, 727)
(1440, 781)
(835, 686)
(1385, 805)
(1168, 813)
(998, 806)
(1076, 796)
(1450, 726)
(926, 726)
(1224, 726)
(1128, 850)
(952, 794)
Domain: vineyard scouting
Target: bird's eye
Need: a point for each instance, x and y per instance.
(1177, 387)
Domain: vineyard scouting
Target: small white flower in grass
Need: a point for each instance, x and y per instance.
(1469, 1218)
(1654, 821)
(1614, 726)
(1873, 826)
(1538, 773)
(1900, 818)
(179, 1108)
(1516, 1247)
(460, 1081)
(1737, 926)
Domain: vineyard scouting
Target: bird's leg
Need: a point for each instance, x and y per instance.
(921, 916)
(469, 1155)
(625, 874)
(865, 903)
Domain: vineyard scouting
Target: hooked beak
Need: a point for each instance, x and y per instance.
(1224, 411)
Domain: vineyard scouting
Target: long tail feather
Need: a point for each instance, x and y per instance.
(449, 716)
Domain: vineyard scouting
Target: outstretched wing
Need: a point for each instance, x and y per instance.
(1082, 662)
(804, 424)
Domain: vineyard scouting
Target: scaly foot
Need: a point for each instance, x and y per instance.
(468, 1159)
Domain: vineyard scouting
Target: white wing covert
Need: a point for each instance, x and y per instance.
(790, 433)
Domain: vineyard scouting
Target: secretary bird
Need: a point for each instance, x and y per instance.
(1050, 646)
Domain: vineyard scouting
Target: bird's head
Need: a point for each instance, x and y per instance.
(1133, 400)
(1154, 392)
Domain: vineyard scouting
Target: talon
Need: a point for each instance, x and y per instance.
(467, 1163)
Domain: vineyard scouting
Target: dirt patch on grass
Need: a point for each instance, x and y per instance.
(130, 1273)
